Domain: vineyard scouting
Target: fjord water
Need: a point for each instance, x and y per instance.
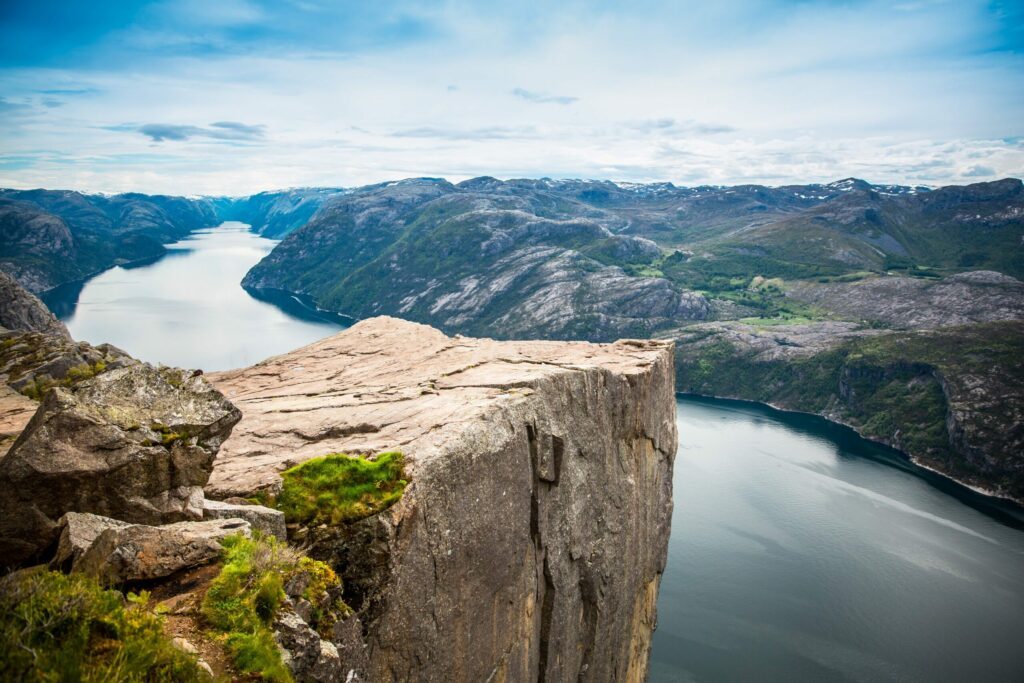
(801, 552)
(798, 551)
(187, 308)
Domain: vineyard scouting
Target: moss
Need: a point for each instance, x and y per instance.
(339, 488)
(36, 389)
(67, 628)
(242, 601)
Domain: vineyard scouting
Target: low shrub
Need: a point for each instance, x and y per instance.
(55, 627)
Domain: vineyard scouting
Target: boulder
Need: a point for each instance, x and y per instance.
(139, 552)
(264, 519)
(78, 531)
(135, 444)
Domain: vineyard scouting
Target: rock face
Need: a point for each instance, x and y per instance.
(915, 303)
(22, 310)
(531, 541)
(136, 443)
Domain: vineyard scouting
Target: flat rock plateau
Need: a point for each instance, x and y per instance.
(532, 537)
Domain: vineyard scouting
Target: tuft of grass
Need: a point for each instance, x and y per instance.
(243, 600)
(37, 388)
(55, 627)
(339, 488)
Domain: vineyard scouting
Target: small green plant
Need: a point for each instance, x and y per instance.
(244, 598)
(339, 488)
(67, 628)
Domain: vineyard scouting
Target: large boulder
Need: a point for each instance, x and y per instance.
(138, 552)
(135, 444)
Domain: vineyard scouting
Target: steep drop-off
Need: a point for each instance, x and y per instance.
(530, 542)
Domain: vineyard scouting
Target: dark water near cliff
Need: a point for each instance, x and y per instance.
(799, 551)
(188, 309)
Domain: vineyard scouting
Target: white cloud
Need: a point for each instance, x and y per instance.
(809, 94)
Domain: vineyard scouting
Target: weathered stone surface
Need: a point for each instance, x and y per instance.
(22, 310)
(307, 655)
(138, 552)
(135, 444)
(267, 520)
(15, 412)
(916, 303)
(531, 540)
(78, 531)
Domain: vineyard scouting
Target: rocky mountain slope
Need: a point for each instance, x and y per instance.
(49, 237)
(536, 468)
(814, 264)
(274, 214)
(471, 259)
(951, 397)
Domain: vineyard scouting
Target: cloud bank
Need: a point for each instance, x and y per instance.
(240, 96)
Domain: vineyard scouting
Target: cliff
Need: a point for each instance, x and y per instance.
(951, 398)
(531, 539)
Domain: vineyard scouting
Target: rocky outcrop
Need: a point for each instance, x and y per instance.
(530, 542)
(136, 444)
(916, 303)
(22, 310)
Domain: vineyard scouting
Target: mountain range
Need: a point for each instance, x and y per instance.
(894, 309)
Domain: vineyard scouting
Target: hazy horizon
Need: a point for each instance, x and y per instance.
(509, 179)
(240, 96)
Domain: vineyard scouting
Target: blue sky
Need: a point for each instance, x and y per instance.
(238, 96)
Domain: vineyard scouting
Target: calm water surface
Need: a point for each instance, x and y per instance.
(187, 308)
(799, 551)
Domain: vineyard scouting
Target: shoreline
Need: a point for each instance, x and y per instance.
(914, 461)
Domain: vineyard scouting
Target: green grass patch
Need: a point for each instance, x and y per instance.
(244, 598)
(67, 628)
(339, 488)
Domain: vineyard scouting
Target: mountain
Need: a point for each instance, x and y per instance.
(274, 214)
(894, 309)
(478, 259)
(49, 237)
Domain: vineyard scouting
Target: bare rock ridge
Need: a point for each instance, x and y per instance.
(531, 540)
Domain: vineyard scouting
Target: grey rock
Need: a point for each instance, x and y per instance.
(307, 655)
(78, 531)
(136, 444)
(22, 310)
(916, 303)
(139, 552)
(264, 519)
(531, 540)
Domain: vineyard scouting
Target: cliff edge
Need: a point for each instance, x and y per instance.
(532, 537)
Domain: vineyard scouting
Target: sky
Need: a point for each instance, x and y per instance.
(238, 96)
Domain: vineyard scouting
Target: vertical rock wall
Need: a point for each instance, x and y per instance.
(531, 541)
